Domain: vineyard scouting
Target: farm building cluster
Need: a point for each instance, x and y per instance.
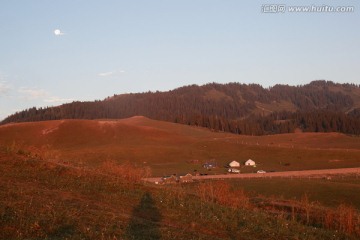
(232, 167)
(233, 164)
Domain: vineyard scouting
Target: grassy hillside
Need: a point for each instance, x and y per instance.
(80, 179)
(326, 192)
(170, 148)
(41, 200)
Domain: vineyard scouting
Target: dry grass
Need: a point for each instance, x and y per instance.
(221, 192)
(79, 179)
(42, 200)
(344, 218)
(126, 171)
(167, 148)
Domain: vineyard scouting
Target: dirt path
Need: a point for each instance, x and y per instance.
(288, 174)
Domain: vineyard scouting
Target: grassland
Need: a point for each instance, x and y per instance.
(79, 179)
(168, 148)
(327, 192)
(47, 201)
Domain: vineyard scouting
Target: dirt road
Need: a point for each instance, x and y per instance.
(288, 174)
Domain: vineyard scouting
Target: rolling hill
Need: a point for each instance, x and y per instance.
(169, 148)
(320, 106)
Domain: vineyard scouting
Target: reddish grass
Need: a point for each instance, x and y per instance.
(138, 140)
(345, 218)
(221, 192)
(127, 171)
(44, 200)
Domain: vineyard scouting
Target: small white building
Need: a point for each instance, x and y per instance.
(250, 163)
(234, 164)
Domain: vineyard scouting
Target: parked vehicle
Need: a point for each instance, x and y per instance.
(233, 170)
(261, 171)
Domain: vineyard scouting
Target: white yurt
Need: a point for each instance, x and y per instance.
(234, 164)
(250, 163)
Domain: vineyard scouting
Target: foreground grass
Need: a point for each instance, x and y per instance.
(40, 200)
(328, 192)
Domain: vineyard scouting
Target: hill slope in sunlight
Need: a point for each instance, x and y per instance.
(175, 148)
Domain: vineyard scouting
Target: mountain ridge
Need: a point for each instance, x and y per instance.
(320, 106)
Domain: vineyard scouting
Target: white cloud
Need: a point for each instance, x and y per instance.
(58, 100)
(42, 95)
(105, 74)
(4, 88)
(110, 73)
(33, 93)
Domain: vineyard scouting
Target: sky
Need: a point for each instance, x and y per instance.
(54, 52)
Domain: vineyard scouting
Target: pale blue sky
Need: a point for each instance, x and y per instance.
(113, 47)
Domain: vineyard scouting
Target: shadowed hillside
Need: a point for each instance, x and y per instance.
(320, 106)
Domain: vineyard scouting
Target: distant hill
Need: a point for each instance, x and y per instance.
(321, 106)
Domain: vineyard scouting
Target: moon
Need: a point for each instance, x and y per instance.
(58, 32)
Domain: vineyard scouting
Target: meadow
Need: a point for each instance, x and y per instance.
(327, 192)
(47, 201)
(81, 179)
(169, 148)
